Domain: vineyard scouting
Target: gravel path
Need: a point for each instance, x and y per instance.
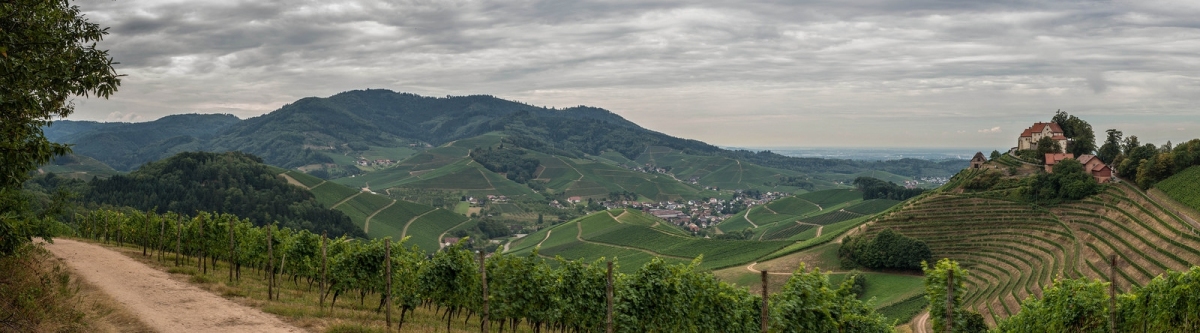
(164, 304)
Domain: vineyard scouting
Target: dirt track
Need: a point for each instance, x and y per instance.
(164, 304)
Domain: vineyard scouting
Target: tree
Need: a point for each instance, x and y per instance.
(937, 280)
(1083, 139)
(995, 155)
(1071, 305)
(1111, 148)
(1046, 145)
(47, 55)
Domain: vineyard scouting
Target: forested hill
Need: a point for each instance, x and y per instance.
(314, 131)
(230, 182)
(125, 146)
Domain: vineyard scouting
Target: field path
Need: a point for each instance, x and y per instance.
(367, 223)
(747, 217)
(921, 323)
(344, 200)
(443, 235)
(751, 268)
(540, 243)
(161, 302)
(410, 221)
(572, 168)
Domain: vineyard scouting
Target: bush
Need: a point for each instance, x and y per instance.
(887, 250)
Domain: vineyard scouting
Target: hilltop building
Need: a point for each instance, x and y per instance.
(1029, 138)
(978, 161)
(1091, 164)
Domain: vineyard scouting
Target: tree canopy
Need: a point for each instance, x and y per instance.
(48, 54)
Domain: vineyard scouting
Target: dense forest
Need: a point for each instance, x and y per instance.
(232, 182)
(512, 162)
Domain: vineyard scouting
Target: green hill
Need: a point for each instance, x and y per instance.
(805, 216)
(1184, 187)
(125, 146)
(78, 167)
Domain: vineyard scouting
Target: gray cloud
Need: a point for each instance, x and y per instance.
(752, 73)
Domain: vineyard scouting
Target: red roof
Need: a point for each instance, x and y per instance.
(1038, 127)
(1052, 159)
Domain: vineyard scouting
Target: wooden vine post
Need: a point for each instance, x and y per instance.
(949, 323)
(1112, 293)
(232, 253)
(765, 318)
(387, 294)
(178, 233)
(483, 281)
(162, 230)
(324, 235)
(203, 265)
(270, 266)
(608, 293)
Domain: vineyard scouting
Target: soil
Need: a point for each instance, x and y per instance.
(163, 304)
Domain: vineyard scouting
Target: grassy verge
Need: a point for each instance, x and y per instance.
(39, 293)
(297, 304)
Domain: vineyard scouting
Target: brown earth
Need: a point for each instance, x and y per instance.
(163, 304)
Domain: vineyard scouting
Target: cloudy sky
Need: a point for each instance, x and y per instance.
(871, 73)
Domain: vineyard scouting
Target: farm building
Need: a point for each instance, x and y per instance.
(978, 161)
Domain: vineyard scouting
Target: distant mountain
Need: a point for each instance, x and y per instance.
(125, 146)
(327, 136)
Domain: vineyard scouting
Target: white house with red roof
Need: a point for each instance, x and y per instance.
(1029, 138)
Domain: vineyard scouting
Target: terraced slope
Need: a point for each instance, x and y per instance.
(1015, 249)
(804, 216)
(380, 216)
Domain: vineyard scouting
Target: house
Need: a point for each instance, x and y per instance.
(575, 199)
(1052, 159)
(1093, 165)
(1029, 138)
(978, 161)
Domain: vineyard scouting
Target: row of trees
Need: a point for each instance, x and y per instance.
(513, 162)
(873, 188)
(558, 293)
(1147, 164)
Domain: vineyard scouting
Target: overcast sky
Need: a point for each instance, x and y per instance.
(872, 73)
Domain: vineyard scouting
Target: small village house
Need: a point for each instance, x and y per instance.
(978, 161)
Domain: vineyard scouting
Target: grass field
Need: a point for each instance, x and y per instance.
(829, 198)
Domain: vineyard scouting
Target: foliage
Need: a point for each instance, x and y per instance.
(47, 55)
(1046, 145)
(512, 162)
(1068, 182)
(885, 250)
(1169, 303)
(995, 154)
(1083, 139)
(1112, 147)
(232, 182)
(983, 181)
(878, 189)
(808, 303)
(1184, 187)
(937, 279)
(1071, 305)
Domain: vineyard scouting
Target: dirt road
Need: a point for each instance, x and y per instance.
(162, 303)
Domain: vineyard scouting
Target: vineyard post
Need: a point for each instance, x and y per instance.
(387, 295)
(178, 232)
(145, 235)
(1112, 293)
(270, 266)
(162, 229)
(949, 323)
(483, 280)
(608, 293)
(105, 228)
(232, 254)
(203, 250)
(764, 302)
(323, 267)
